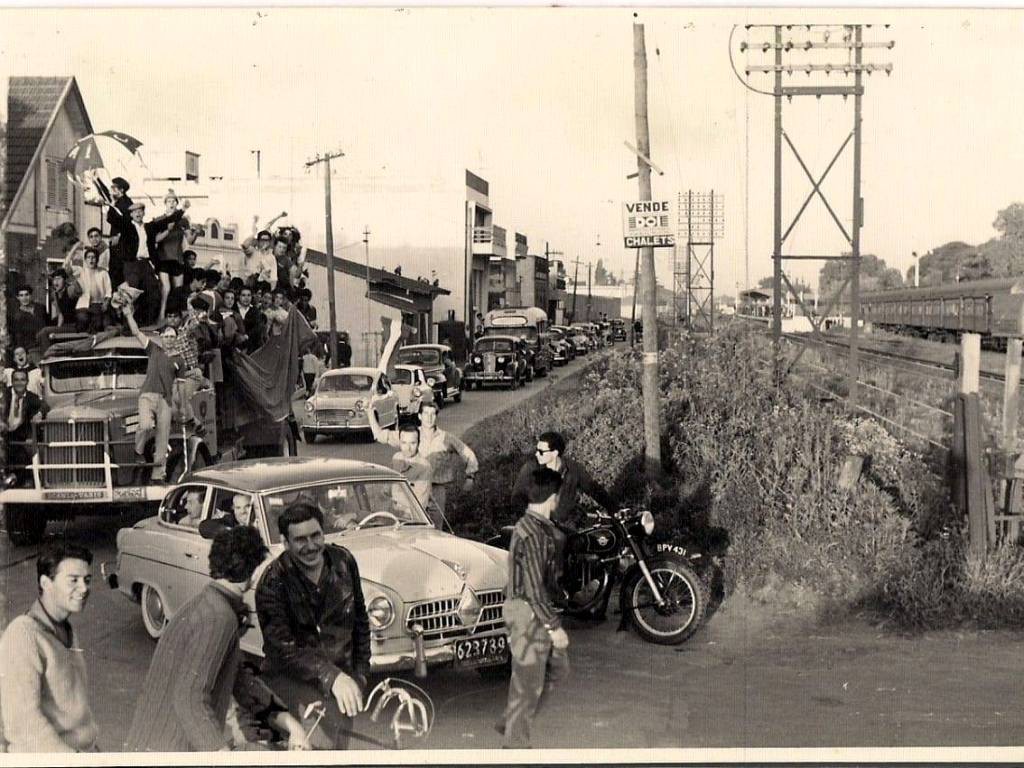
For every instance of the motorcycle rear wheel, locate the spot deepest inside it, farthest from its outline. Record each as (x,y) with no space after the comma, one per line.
(685,596)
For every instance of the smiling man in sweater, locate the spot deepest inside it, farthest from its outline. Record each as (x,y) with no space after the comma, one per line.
(43,687)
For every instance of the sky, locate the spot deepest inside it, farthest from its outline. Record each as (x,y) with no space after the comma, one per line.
(539,101)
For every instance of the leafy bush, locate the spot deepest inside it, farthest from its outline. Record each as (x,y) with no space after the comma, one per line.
(762,462)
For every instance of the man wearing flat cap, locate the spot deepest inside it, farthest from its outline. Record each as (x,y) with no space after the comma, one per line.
(119,219)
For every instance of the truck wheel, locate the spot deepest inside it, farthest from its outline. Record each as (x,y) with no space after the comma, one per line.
(309,436)
(25,524)
(154,614)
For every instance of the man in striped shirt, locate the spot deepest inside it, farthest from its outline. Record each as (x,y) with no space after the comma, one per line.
(538,642)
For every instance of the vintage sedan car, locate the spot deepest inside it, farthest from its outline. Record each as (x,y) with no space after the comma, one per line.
(561,350)
(338,404)
(438,362)
(618,330)
(410,384)
(579,339)
(432,598)
(495,360)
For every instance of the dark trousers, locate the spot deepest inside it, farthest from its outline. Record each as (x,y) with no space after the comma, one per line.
(334,728)
(140,274)
(536,668)
(309,378)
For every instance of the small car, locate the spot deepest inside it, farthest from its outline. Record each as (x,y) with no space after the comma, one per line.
(618,330)
(579,339)
(432,598)
(410,384)
(338,404)
(438,363)
(495,360)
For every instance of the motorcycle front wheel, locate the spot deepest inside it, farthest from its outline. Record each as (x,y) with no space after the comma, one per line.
(684,601)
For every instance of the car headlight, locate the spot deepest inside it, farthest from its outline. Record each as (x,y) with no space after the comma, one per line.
(431,381)
(476,360)
(416,392)
(501,360)
(647,521)
(381,613)
(309,406)
(359,405)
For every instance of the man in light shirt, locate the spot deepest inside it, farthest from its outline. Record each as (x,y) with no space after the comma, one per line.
(96,292)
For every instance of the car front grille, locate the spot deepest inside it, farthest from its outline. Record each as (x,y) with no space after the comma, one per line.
(440,619)
(334,415)
(67,432)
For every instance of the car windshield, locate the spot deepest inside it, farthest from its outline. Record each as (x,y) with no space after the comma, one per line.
(493,345)
(345,382)
(419,356)
(97,374)
(351,504)
(521,332)
(401,376)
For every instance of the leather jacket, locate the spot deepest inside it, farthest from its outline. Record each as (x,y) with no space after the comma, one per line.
(311,632)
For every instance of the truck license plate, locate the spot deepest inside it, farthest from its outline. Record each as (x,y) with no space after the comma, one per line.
(71,495)
(481,651)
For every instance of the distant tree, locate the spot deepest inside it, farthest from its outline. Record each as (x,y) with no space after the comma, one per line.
(601,275)
(952,261)
(875,275)
(765,283)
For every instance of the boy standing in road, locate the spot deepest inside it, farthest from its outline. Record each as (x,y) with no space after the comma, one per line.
(539,644)
(43,687)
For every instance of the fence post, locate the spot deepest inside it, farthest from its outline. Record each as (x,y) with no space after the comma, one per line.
(1007,524)
(970,363)
(976,487)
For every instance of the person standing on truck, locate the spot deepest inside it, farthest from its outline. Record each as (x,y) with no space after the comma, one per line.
(21,409)
(155,397)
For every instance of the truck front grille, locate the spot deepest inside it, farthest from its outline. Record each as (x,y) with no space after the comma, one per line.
(73,432)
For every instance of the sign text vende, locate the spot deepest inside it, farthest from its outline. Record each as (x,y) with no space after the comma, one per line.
(647,224)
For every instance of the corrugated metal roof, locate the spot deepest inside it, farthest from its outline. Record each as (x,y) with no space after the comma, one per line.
(378,277)
(31,104)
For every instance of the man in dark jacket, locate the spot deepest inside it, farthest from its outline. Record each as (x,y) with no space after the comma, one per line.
(575,478)
(20,409)
(119,219)
(197,667)
(316,634)
(254,322)
(25,320)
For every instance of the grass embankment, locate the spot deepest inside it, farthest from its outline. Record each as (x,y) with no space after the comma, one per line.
(764,463)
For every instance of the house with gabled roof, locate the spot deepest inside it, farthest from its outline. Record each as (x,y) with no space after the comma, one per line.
(45,117)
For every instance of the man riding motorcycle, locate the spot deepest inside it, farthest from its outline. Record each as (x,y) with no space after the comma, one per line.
(576,478)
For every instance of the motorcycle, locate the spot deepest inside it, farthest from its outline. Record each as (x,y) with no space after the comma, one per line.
(664,589)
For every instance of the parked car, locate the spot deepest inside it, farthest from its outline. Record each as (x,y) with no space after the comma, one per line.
(338,404)
(410,384)
(579,338)
(438,363)
(618,330)
(432,598)
(561,350)
(495,360)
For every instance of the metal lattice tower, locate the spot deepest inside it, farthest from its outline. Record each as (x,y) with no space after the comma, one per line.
(701,222)
(830,59)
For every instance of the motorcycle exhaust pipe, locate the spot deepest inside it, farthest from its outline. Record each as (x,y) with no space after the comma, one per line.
(421,658)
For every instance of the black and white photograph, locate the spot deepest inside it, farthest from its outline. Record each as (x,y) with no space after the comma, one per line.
(514,385)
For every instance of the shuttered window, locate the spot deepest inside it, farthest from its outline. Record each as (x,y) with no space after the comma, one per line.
(57,192)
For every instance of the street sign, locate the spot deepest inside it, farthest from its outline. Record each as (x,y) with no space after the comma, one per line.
(648,224)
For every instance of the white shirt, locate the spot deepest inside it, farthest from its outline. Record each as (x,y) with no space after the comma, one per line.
(143,250)
(95,287)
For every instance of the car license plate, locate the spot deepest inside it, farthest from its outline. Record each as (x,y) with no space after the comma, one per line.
(481,651)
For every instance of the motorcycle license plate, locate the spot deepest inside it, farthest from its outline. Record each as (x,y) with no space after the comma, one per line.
(481,651)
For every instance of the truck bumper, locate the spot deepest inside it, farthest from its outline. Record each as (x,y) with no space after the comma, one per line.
(127,495)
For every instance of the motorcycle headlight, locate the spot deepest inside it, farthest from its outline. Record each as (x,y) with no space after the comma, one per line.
(647,521)
(381,613)
(309,406)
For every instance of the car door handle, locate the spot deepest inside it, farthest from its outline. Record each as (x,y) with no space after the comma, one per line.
(190,554)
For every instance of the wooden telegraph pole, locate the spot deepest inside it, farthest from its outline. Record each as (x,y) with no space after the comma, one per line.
(326,160)
(652,426)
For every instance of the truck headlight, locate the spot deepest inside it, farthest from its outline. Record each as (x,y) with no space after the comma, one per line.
(647,521)
(381,613)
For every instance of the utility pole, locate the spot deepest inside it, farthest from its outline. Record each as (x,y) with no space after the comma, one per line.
(636,289)
(590,293)
(575,284)
(369,310)
(652,426)
(326,160)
